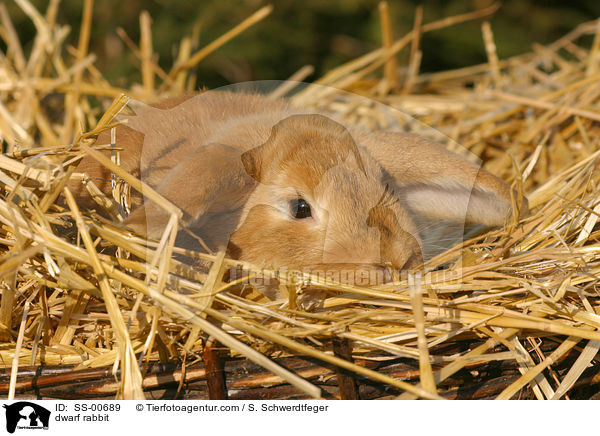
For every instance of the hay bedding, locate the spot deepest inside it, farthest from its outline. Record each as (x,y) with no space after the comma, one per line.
(512,313)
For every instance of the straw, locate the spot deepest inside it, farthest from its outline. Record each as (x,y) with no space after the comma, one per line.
(391,65)
(222,40)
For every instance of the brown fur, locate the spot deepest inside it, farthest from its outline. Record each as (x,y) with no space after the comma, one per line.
(233,162)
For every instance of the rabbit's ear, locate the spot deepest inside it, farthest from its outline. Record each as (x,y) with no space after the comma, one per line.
(307,138)
(211,180)
(437,183)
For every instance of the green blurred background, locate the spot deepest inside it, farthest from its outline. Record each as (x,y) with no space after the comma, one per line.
(316,32)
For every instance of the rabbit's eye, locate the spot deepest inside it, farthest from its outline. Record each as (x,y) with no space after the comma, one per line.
(299,208)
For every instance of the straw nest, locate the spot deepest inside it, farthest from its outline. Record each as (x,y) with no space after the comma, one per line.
(511,313)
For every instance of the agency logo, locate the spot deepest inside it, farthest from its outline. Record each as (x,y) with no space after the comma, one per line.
(26,415)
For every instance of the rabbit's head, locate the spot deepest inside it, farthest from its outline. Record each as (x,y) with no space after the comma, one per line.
(320,203)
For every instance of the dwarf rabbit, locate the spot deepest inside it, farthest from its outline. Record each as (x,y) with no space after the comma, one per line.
(282,187)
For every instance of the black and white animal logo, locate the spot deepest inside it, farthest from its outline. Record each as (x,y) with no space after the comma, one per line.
(24,414)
